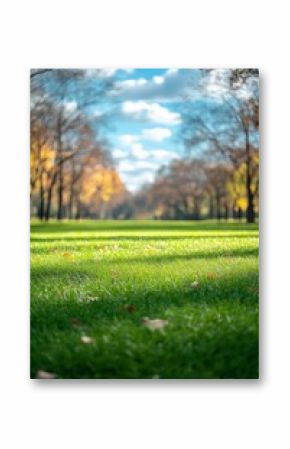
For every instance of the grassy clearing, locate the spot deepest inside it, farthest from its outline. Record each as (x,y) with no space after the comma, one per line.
(98,279)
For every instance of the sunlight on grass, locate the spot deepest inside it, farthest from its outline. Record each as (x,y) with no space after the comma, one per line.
(99,279)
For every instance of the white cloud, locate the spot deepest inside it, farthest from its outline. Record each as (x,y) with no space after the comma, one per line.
(134,182)
(136,166)
(171,72)
(131,83)
(138,151)
(117,153)
(128,139)
(100,73)
(171,85)
(126,166)
(216,83)
(156,134)
(149,134)
(134,107)
(70,106)
(128,70)
(150,111)
(158,79)
(164,155)
(106,72)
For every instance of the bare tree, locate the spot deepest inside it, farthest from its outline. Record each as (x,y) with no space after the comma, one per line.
(229,129)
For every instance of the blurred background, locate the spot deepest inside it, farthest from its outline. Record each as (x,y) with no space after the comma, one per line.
(144,143)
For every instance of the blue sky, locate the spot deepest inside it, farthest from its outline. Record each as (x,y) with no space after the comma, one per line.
(143,120)
(145,127)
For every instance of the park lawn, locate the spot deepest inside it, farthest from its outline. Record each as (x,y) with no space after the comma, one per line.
(98,279)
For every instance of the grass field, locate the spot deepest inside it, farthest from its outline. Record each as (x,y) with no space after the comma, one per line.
(99,279)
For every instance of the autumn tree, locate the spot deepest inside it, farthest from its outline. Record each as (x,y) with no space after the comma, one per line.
(60,100)
(228,129)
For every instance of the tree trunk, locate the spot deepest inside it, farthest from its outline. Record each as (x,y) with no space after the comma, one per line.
(60,193)
(250,197)
(234,211)
(218,206)
(49,196)
(60,168)
(71,204)
(211,207)
(196,209)
(72,191)
(226,211)
(78,211)
(41,199)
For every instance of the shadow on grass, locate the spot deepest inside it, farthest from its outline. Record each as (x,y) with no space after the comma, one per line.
(135,225)
(212,330)
(212,333)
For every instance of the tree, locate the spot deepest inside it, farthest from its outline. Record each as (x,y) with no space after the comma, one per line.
(229,129)
(61,98)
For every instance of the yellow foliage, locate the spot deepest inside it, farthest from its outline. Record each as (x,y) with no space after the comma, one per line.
(242,203)
(101,184)
(237,186)
(42,158)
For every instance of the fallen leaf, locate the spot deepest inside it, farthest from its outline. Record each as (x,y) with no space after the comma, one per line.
(44,375)
(156,324)
(87,299)
(194,284)
(67,254)
(87,340)
(75,321)
(130,308)
(92,298)
(211,275)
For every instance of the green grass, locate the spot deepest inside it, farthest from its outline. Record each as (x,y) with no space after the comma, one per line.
(99,278)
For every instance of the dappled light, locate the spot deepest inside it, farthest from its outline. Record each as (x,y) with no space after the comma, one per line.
(90,298)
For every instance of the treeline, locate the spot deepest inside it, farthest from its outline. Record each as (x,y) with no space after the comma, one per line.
(195,189)
(219,176)
(74,176)
(72,173)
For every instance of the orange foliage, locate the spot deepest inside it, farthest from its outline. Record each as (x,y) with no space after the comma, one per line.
(101,185)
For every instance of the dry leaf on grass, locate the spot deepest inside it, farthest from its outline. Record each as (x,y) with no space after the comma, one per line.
(75,321)
(88,299)
(44,375)
(156,324)
(92,298)
(194,284)
(129,308)
(86,340)
(211,275)
(67,254)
